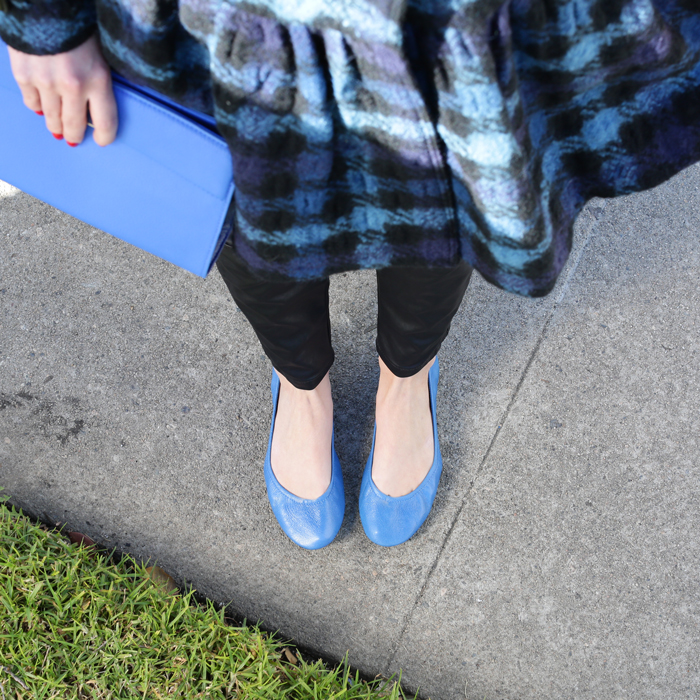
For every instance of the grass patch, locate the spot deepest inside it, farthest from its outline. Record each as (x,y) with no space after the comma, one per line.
(75,623)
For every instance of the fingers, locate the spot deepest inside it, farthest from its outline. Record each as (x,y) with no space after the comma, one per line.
(51,107)
(24,70)
(66,114)
(98,96)
(103,110)
(31,98)
(73,116)
(47,101)
(63,86)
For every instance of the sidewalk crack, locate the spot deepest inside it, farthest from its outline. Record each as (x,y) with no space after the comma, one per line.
(587,233)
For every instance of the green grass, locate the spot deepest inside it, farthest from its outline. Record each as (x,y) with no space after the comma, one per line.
(74,623)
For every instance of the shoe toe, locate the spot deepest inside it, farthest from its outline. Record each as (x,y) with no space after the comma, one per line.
(389,521)
(311,524)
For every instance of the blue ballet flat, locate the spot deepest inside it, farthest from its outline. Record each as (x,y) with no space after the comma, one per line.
(310,523)
(389,520)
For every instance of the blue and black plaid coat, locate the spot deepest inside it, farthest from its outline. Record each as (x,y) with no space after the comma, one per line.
(369,133)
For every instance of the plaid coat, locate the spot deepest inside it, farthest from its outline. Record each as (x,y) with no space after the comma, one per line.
(369,133)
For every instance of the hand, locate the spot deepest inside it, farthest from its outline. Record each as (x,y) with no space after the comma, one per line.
(62,86)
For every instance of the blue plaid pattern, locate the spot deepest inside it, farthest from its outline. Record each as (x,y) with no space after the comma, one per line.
(371,133)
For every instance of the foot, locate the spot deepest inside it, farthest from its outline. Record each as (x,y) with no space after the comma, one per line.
(403,446)
(301,441)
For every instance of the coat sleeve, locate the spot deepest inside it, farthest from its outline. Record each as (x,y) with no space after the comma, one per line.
(46,27)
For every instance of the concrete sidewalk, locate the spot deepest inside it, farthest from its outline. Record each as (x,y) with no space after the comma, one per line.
(561,559)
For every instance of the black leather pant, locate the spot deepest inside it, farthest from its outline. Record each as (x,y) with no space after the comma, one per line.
(291,319)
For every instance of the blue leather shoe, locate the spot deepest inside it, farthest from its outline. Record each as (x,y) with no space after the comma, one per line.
(310,523)
(389,520)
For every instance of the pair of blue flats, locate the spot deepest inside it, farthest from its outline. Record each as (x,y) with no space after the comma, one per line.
(387,520)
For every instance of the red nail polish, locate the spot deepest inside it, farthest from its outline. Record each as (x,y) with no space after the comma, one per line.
(57,136)
(71,144)
(39,112)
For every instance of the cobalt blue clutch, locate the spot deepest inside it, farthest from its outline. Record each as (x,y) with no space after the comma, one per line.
(164,185)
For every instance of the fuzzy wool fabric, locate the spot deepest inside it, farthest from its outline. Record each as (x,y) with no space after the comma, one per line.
(371,133)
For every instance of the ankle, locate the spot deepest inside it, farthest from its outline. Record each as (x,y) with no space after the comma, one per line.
(318,400)
(302,439)
(392,386)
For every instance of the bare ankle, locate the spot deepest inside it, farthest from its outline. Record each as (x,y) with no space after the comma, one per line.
(301,454)
(389,382)
(404,440)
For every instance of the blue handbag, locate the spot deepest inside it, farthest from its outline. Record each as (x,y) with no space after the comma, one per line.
(164,185)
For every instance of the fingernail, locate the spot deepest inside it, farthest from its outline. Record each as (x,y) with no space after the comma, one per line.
(71,144)
(57,136)
(39,112)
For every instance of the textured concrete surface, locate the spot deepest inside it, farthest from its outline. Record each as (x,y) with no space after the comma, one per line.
(561,557)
